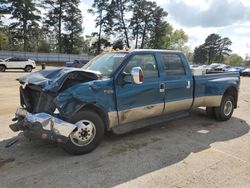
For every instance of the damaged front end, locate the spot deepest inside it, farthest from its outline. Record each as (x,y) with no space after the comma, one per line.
(39,115)
(42,125)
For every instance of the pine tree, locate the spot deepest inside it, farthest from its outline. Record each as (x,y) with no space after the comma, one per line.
(104,18)
(54,20)
(73,25)
(27,15)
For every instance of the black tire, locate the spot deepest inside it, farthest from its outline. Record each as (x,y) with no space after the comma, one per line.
(221,112)
(2,68)
(71,146)
(28,68)
(210,112)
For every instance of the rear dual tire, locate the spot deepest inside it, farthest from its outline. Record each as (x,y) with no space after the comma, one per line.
(224,111)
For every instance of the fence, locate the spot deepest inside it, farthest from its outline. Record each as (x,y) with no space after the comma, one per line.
(44,57)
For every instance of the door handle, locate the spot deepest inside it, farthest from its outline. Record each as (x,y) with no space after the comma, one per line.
(162,87)
(188,84)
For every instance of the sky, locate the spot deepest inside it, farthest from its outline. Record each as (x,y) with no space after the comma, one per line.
(199,18)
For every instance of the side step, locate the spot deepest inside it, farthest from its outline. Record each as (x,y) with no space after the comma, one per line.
(128,127)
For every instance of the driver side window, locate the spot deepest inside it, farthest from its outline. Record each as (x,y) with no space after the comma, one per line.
(146,62)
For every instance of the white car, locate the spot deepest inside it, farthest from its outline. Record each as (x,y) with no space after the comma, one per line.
(17,63)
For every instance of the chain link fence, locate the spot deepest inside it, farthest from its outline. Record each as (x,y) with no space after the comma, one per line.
(49,58)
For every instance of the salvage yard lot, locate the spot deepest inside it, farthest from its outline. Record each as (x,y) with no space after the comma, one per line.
(190,152)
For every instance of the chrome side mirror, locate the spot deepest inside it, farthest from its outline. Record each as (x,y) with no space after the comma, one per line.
(137,75)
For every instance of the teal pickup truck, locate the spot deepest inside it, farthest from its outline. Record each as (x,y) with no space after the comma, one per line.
(118,91)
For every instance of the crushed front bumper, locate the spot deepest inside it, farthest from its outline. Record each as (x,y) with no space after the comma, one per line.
(42,125)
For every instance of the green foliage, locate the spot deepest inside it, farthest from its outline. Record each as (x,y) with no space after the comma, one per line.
(105,42)
(236,60)
(61,29)
(213,50)
(157,27)
(200,55)
(104,20)
(174,39)
(3,10)
(73,25)
(27,17)
(4,41)
(118,44)
(120,24)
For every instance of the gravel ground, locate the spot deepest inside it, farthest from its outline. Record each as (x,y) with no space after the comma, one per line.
(192,152)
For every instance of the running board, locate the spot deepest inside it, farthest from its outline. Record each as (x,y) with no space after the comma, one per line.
(128,127)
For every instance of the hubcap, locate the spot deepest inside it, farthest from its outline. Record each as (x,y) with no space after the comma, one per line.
(84,134)
(228,108)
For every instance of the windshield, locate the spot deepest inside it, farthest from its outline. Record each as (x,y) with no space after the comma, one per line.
(106,64)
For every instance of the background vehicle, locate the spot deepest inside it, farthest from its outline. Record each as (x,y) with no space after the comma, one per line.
(236,69)
(246,72)
(118,91)
(17,63)
(76,63)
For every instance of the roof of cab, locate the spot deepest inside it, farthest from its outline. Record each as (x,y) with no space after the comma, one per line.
(146,50)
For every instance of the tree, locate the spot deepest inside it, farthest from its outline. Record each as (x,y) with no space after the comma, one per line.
(54,19)
(73,25)
(158,27)
(174,39)
(118,44)
(3,10)
(214,49)
(104,20)
(235,60)
(200,55)
(104,44)
(27,15)
(224,49)
(212,46)
(141,20)
(120,8)
(4,41)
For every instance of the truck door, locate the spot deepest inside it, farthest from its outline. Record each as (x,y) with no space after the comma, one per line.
(178,83)
(139,101)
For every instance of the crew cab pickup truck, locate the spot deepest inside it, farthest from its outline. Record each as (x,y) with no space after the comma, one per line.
(17,63)
(119,92)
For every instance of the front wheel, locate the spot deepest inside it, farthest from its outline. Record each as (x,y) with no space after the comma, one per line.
(28,68)
(226,109)
(87,136)
(2,68)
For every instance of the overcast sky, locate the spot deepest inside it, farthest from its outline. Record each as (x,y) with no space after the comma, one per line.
(199,18)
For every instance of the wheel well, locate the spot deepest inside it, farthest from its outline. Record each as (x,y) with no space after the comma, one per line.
(101,112)
(234,93)
(28,66)
(3,65)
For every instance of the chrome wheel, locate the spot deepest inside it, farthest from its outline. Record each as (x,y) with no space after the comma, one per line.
(84,134)
(228,108)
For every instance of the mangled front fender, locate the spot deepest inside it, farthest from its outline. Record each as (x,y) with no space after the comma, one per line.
(74,98)
(99,93)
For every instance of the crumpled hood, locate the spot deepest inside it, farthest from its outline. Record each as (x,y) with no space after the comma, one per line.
(52,80)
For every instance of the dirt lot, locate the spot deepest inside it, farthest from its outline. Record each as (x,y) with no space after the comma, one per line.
(191,152)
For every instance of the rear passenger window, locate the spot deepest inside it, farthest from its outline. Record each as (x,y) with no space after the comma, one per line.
(173,65)
(146,62)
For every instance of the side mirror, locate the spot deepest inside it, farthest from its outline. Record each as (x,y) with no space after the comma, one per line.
(137,75)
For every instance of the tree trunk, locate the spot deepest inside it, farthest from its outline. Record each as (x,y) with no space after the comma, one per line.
(60,27)
(137,33)
(143,36)
(25,35)
(99,35)
(123,23)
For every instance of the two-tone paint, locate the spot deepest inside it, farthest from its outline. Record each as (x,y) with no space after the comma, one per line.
(128,103)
